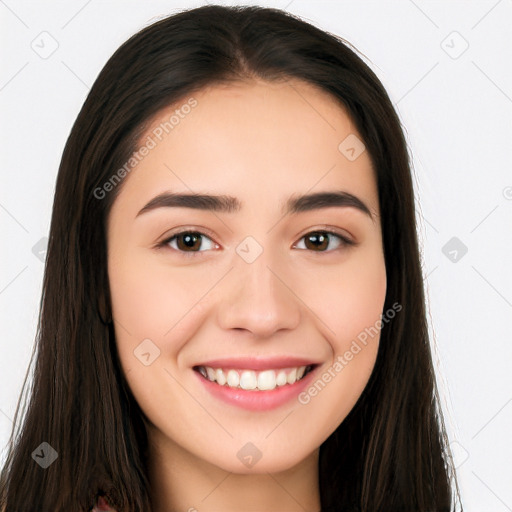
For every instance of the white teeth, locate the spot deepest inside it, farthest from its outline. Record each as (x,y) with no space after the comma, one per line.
(281,378)
(250,379)
(267,380)
(233,379)
(220,377)
(292,376)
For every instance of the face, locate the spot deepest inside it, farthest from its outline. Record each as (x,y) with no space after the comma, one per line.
(257,288)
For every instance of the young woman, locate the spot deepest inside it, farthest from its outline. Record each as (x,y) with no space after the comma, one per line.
(233,314)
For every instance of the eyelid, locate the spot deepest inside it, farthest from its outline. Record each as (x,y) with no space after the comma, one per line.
(342,233)
(187,229)
(345,240)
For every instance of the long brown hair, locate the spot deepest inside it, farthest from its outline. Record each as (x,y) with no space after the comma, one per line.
(390,453)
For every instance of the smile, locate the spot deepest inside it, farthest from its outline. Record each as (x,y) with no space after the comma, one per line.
(254,380)
(256,389)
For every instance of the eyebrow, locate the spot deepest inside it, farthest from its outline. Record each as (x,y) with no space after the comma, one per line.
(229,204)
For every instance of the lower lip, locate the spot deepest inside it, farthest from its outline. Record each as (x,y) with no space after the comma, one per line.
(257,400)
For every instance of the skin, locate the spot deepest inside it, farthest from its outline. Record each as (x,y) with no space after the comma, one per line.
(260,142)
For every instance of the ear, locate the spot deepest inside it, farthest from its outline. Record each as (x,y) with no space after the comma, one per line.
(104,306)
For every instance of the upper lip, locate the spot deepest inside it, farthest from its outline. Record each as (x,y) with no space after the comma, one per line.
(258,363)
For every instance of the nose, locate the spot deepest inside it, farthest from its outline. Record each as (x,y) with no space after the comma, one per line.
(259,299)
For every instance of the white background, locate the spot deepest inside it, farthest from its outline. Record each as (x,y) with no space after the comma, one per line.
(455,103)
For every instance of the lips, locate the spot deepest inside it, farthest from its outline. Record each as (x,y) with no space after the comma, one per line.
(256,384)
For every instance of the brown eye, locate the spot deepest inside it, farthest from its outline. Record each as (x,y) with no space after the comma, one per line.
(318,241)
(188,241)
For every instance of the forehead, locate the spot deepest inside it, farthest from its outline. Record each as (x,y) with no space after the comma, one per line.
(254,140)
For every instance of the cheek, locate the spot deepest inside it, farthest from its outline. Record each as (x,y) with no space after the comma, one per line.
(348,302)
(152,301)
(155,309)
(348,299)
(149,298)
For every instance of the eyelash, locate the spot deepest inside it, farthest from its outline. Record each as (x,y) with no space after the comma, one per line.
(344,241)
